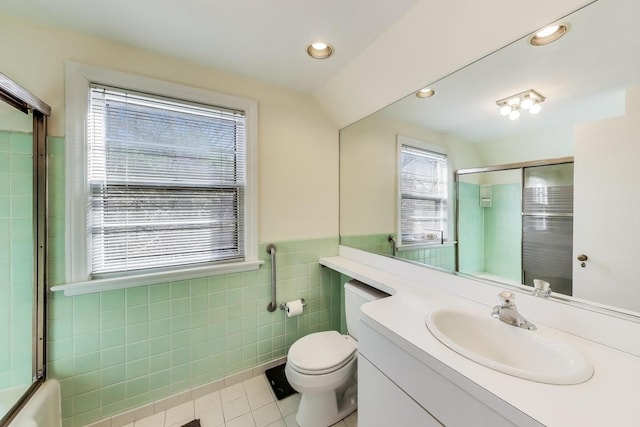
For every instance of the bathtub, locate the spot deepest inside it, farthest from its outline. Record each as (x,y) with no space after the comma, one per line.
(43,409)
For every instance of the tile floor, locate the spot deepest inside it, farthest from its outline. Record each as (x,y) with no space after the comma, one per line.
(247,404)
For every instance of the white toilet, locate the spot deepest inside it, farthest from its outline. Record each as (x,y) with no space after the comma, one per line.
(322,365)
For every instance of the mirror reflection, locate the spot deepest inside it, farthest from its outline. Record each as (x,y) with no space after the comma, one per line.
(586,86)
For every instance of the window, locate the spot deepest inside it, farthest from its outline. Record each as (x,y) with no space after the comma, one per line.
(162,187)
(423,193)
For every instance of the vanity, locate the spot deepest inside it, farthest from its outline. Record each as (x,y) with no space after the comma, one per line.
(406,376)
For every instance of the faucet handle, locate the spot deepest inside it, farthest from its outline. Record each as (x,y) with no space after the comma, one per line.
(507,299)
(542,288)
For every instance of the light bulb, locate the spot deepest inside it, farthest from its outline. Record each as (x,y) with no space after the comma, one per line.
(514,115)
(535,108)
(526,103)
(505,110)
(546,32)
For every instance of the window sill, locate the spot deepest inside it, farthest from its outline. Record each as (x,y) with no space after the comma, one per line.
(409,246)
(101,285)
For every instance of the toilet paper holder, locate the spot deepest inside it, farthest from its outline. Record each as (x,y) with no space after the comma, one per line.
(283,305)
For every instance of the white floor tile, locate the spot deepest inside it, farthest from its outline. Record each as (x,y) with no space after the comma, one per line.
(247,404)
(179,415)
(259,382)
(232,393)
(259,397)
(289,405)
(235,408)
(266,415)
(154,420)
(211,418)
(245,420)
(207,402)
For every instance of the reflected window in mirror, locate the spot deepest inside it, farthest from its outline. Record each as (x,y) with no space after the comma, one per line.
(423,193)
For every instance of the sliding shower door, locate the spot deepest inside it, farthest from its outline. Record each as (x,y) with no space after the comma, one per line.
(22,245)
(547,226)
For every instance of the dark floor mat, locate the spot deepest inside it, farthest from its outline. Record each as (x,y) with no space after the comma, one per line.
(194,423)
(279,383)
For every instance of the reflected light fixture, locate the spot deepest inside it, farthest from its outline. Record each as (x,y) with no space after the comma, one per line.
(319,50)
(426,92)
(528,100)
(548,34)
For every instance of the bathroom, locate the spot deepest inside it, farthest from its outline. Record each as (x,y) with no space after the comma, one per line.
(299,154)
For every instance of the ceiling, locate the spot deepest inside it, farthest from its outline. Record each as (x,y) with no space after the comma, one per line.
(584,76)
(261,39)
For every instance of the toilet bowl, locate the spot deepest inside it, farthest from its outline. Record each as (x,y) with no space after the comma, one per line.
(322,366)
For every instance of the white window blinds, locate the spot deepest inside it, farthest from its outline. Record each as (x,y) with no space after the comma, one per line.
(166,182)
(424,196)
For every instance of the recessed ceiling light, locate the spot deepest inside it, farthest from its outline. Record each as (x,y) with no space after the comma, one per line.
(425,93)
(548,35)
(319,50)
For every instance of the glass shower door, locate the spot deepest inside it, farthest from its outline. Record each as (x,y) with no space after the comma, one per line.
(17,250)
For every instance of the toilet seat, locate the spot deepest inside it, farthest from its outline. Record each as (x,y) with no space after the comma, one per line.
(321,352)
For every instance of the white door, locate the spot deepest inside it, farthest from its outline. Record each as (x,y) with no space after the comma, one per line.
(607,212)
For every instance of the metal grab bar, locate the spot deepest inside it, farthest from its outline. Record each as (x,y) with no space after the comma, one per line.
(394,248)
(271,250)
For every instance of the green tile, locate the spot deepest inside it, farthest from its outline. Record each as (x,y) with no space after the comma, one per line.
(137,368)
(160,362)
(88,343)
(113,338)
(216,283)
(179,356)
(137,332)
(159,379)
(112,300)
(233,281)
(87,401)
(199,287)
(86,363)
(159,327)
(113,356)
(113,375)
(159,310)
(137,296)
(180,340)
(88,304)
(87,382)
(180,306)
(21,142)
(137,314)
(180,289)
(113,394)
(21,185)
(159,292)
(86,323)
(112,319)
(159,345)
(137,386)
(138,350)
(180,323)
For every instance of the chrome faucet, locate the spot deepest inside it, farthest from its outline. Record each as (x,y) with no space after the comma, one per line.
(508,313)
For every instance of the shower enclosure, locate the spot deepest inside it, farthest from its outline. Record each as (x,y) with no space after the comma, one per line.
(22,245)
(515,223)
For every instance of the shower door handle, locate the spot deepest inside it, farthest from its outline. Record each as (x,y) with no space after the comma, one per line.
(582,257)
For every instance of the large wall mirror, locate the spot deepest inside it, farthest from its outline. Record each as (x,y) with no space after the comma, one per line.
(586,135)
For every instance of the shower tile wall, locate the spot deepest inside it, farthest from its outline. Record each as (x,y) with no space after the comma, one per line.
(16,258)
(118,350)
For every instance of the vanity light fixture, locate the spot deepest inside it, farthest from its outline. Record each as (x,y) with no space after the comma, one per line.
(320,50)
(528,100)
(548,34)
(426,92)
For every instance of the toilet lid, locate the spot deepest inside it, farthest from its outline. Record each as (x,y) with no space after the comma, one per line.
(321,352)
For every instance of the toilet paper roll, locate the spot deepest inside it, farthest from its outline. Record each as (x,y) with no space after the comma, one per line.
(294,308)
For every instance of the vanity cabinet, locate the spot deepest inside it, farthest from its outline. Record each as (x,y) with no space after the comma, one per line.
(395,388)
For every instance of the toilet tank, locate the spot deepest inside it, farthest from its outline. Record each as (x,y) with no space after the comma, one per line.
(356,294)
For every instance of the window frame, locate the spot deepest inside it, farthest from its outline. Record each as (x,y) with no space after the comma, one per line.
(401,141)
(78,78)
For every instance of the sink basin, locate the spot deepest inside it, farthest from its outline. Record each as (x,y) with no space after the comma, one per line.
(508,349)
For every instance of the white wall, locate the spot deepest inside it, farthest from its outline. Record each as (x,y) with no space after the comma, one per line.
(368,171)
(298,142)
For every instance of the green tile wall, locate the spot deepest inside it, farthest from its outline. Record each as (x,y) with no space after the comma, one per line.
(470,229)
(443,257)
(503,232)
(16,258)
(117,350)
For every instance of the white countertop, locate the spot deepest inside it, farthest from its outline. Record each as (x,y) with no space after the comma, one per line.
(611,397)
